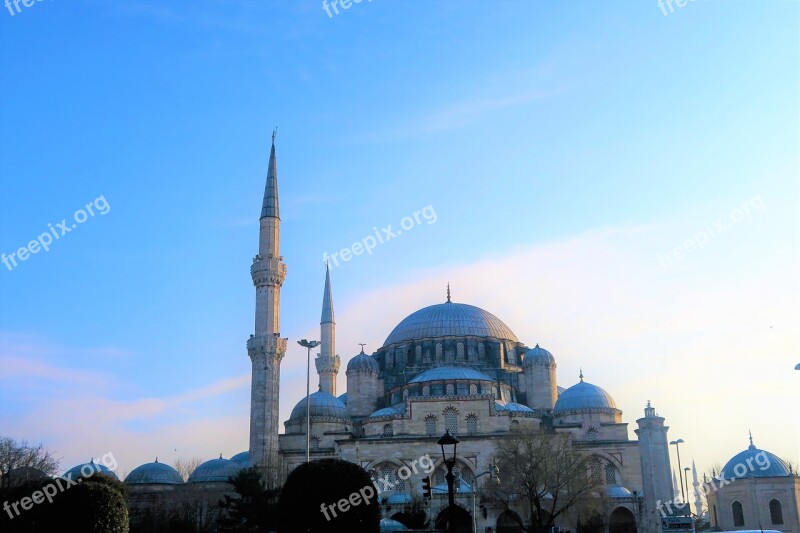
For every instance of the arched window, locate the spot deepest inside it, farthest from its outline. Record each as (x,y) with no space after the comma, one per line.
(418,352)
(594,470)
(591,434)
(738,514)
(438,351)
(426,390)
(450,390)
(514,425)
(387,430)
(460,350)
(450,415)
(472,424)
(313,442)
(611,474)
(430,425)
(775,512)
(473,389)
(387,472)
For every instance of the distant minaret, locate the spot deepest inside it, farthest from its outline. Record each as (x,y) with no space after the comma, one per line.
(654,456)
(327,361)
(698,501)
(266,348)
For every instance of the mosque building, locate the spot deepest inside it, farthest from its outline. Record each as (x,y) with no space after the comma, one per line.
(451,367)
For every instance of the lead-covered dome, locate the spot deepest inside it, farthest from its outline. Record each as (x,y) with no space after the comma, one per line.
(449,319)
(320,404)
(450,373)
(754,462)
(584,395)
(362,362)
(538,355)
(215,470)
(89,469)
(154,473)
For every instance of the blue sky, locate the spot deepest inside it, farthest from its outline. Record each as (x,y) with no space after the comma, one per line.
(566,148)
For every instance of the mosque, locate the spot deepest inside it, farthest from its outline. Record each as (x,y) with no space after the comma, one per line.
(456,367)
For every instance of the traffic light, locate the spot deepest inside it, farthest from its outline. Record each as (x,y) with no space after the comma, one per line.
(426,487)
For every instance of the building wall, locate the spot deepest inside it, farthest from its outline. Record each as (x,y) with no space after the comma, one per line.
(755,494)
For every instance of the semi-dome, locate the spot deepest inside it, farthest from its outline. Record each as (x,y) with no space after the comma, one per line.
(387,524)
(215,470)
(584,395)
(450,373)
(618,491)
(89,469)
(343,398)
(362,361)
(754,462)
(154,473)
(538,355)
(242,458)
(512,407)
(449,319)
(320,404)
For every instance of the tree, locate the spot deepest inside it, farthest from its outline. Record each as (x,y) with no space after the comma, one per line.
(185,467)
(255,509)
(20,454)
(329,495)
(543,472)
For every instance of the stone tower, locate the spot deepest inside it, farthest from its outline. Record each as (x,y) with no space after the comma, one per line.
(654,453)
(266,348)
(541,389)
(327,361)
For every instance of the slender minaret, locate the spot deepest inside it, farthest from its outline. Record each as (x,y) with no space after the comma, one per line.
(698,501)
(327,361)
(266,348)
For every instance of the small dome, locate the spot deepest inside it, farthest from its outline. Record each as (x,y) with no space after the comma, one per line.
(154,473)
(517,408)
(363,362)
(398,498)
(242,458)
(343,398)
(450,373)
(215,470)
(88,470)
(320,404)
(449,320)
(761,464)
(389,411)
(387,524)
(538,355)
(584,395)
(560,390)
(617,491)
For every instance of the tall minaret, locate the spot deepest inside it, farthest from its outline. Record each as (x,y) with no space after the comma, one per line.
(654,458)
(327,361)
(266,348)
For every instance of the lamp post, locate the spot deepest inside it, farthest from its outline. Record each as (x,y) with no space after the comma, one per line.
(449,440)
(686,480)
(677,444)
(493,473)
(308,345)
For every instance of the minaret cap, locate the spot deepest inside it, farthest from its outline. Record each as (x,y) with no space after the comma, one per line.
(269,208)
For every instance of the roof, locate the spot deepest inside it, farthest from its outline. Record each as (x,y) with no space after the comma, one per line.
(449,319)
(88,470)
(242,458)
(154,473)
(754,462)
(538,355)
(215,470)
(321,403)
(269,208)
(450,373)
(512,407)
(584,395)
(363,361)
(389,411)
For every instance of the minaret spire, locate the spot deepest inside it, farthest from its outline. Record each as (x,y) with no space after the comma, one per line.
(327,362)
(265,347)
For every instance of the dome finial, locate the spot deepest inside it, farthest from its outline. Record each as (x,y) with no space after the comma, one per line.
(362,346)
(448,292)
(274,134)
(752,446)
(220,456)
(156,459)
(581,375)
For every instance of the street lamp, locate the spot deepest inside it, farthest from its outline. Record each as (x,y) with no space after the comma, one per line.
(449,440)
(308,344)
(677,449)
(493,473)
(686,479)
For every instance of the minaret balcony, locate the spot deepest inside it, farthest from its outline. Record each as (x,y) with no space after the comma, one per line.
(268,271)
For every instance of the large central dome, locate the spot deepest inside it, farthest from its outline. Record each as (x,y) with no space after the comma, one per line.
(449,319)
